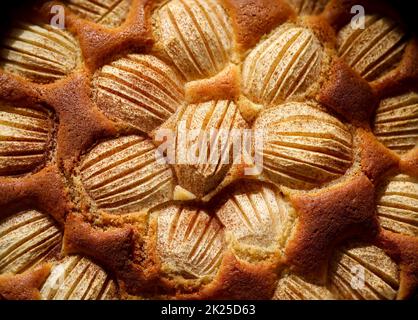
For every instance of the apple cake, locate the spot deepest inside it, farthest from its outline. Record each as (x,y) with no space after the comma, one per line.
(92,207)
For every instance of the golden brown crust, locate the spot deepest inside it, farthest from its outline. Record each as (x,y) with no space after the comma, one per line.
(44,190)
(81,123)
(409,162)
(256,18)
(125,244)
(327,218)
(321,28)
(376,159)
(17,91)
(98,43)
(224,86)
(404,250)
(112,247)
(24,286)
(240,280)
(348,94)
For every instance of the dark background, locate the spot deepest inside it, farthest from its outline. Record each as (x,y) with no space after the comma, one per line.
(408,10)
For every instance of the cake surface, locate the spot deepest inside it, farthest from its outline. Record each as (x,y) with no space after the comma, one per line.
(101,197)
